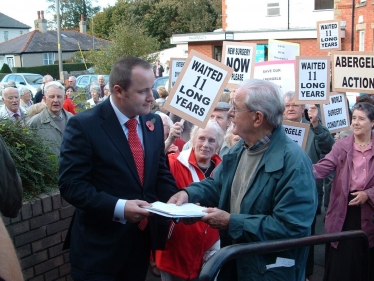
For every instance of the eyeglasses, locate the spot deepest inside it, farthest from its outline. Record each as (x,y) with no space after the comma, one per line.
(234,110)
(70,81)
(293,105)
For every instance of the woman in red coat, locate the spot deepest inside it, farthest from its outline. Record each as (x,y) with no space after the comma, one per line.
(68,103)
(187,244)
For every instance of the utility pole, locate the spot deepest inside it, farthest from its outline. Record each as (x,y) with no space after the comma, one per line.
(60,70)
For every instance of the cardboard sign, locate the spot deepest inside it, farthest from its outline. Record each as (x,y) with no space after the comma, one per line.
(176,65)
(353,72)
(198,88)
(281,73)
(281,50)
(335,115)
(298,132)
(312,79)
(241,58)
(328,35)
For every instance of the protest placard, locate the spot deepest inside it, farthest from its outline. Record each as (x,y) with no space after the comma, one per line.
(353,72)
(312,79)
(198,88)
(176,65)
(282,50)
(241,58)
(298,132)
(281,73)
(328,35)
(335,115)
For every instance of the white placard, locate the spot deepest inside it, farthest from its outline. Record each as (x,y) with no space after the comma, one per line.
(353,72)
(335,115)
(281,73)
(296,131)
(241,58)
(198,88)
(328,35)
(176,65)
(312,79)
(282,50)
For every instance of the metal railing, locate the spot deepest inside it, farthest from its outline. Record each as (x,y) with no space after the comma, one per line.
(213,265)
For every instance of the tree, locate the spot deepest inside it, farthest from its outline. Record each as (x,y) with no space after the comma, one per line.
(70,12)
(5,69)
(125,40)
(161,18)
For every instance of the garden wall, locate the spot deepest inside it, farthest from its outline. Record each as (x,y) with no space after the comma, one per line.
(38,234)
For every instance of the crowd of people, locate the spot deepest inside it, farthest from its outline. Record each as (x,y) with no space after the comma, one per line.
(127,151)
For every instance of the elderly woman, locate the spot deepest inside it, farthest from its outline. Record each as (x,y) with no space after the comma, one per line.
(95,95)
(182,258)
(68,102)
(352,196)
(25,96)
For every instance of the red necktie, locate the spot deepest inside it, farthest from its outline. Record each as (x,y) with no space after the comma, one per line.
(16,115)
(136,148)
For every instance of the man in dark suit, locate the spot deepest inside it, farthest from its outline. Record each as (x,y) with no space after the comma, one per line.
(99,174)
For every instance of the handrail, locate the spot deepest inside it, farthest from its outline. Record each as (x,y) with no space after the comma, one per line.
(213,265)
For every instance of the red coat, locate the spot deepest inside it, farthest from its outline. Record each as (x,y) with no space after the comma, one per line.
(187,244)
(69,105)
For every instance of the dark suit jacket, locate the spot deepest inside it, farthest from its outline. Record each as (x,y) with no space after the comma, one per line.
(97,168)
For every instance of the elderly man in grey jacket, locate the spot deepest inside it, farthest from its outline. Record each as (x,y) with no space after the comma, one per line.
(51,122)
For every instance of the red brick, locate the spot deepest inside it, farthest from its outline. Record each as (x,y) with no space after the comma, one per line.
(36,207)
(51,275)
(26,211)
(58,226)
(28,273)
(56,250)
(24,251)
(46,202)
(46,242)
(18,228)
(30,236)
(34,259)
(49,265)
(44,219)
(66,212)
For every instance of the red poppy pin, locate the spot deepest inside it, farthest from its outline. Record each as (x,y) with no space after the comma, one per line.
(150,124)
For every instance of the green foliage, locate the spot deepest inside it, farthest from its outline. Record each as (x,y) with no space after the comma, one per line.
(125,40)
(70,12)
(36,165)
(5,69)
(51,69)
(160,19)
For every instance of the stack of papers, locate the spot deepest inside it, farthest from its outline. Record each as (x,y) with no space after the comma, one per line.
(186,210)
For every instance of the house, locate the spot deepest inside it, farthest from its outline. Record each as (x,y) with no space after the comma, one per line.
(39,47)
(286,20)
(10,28)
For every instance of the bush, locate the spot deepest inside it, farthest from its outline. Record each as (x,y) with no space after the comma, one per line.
(36,165)
(5,69)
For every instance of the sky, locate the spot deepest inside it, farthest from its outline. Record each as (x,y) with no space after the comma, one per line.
(25,11)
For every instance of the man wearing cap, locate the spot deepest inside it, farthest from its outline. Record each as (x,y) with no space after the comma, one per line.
(221,116)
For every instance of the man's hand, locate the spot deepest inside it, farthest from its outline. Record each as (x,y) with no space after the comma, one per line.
(313,115)
(217,218)
(133,212)
(179,198)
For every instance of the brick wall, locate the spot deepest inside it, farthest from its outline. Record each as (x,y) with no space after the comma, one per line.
(38,234)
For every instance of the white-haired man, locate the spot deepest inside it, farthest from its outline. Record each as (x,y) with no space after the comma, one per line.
(50,123)
(12,109)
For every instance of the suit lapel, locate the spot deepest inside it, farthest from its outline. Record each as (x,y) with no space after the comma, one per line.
(115,133)
(149,145)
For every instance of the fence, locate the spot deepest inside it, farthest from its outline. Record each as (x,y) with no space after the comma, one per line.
(225,254)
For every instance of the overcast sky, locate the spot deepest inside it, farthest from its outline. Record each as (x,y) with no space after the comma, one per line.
(25,11)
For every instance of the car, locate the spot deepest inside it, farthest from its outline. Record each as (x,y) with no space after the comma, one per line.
(86,79)
(31,81)
(160,81)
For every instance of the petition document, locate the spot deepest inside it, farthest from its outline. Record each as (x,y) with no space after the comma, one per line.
(186,210)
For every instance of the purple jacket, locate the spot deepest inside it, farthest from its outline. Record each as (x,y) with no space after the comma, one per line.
(340,160)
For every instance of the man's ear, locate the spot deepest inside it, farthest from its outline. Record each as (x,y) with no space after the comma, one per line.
(258,118)
(117,90)
(44,98)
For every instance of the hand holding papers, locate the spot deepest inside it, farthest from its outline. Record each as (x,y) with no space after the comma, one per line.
(186,210)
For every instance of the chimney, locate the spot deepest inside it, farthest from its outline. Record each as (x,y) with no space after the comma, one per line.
(41,22)
(82,25)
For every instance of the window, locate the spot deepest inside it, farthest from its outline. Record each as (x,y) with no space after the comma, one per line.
(5,35)
(323,4)
(361,40)
(273,9)
(217,53)
(48,58)
(362,1)
(10,61)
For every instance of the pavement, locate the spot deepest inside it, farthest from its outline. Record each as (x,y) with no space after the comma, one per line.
(319,255)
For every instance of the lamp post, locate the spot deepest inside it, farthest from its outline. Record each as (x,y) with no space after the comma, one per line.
(60,70)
